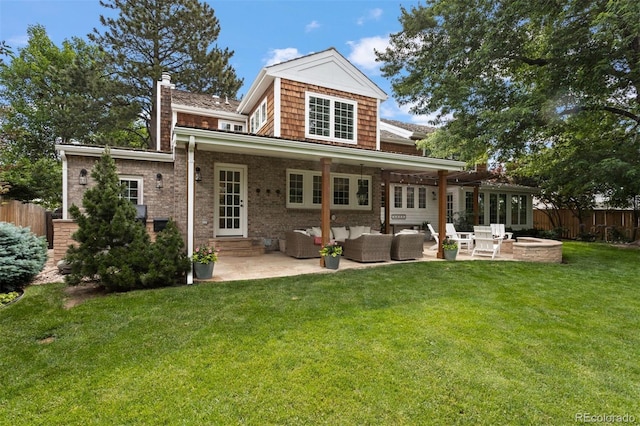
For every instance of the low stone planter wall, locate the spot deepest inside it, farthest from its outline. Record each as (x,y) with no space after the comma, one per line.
(531,249)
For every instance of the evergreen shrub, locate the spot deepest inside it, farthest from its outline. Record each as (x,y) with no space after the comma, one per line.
(113,247)
(22,256)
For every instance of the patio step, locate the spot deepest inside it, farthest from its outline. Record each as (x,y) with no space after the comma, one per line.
(239,247)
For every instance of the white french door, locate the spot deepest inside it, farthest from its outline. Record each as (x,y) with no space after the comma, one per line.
(230,200)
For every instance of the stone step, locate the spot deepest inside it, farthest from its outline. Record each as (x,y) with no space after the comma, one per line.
(238,247)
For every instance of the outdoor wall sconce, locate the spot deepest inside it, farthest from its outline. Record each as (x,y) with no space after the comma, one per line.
(433,195)
(198,175)
(159,183)
(82,179)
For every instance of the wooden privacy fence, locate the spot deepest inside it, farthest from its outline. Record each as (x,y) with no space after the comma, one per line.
(605,225)
(26,215)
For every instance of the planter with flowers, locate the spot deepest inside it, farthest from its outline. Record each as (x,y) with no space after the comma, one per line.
(450,248)
(204,258)
(331,254)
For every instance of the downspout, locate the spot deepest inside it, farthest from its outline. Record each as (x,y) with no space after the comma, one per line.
(65,180)
(190,200)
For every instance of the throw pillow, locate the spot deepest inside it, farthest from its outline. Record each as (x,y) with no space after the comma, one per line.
(340,233)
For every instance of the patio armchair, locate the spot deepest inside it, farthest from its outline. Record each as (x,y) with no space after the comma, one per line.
(462,238)
(301,245)
(486,244)
(405,246)
(499,231)
(369,248)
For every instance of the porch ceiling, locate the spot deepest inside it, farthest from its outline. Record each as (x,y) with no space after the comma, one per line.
(221,141)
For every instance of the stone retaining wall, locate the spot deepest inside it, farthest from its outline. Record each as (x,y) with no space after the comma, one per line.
(531,249)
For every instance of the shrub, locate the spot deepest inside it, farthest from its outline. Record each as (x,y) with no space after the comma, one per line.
(169,261)
(115,249)
(22,256)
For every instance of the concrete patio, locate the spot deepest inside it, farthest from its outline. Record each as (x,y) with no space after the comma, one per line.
(277,264)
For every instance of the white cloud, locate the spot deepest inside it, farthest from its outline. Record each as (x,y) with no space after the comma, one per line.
(313,25)
(282,55)
(18,41)
(363,52)
(372,15)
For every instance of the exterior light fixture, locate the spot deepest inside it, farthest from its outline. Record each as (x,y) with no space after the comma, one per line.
(82,179)
(433,195)
(198,175)
(159,183)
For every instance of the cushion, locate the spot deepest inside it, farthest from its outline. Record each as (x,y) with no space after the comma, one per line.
(407,231)
(356,231)
(301,231)
(316,231)
(340,233)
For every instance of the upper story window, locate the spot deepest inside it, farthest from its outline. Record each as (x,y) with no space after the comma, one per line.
(231,126)
(132,189)
(330,118)
(259,117)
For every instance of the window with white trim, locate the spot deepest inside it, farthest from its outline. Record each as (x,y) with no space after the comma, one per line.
(304,190)
(231,126)
(259,117)
(132,190)
(330,118)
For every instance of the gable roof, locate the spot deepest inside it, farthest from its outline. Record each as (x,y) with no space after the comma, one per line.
(202,101)
(327,69)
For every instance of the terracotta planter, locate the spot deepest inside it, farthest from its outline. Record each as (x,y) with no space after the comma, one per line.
(331,262)
(203,271)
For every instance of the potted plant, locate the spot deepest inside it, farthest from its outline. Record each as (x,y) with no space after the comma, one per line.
(450,248)
(331,254)
(204,258)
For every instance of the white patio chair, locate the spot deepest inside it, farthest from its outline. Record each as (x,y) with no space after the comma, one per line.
(463,238)
(435,235)
(486,244)
(498,231)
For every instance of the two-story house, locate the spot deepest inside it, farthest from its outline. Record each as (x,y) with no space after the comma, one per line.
(305,147)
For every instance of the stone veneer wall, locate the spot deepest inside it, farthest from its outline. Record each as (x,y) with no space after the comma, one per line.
(537,250)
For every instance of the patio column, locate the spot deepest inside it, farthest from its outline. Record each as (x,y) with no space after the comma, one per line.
(442,210)
(325,222)
(386,178)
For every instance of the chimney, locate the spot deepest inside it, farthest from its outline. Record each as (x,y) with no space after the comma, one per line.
(166,79)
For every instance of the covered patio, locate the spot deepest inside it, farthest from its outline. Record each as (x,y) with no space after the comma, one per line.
(277,264)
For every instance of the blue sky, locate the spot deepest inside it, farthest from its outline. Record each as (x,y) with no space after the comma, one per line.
(261,32)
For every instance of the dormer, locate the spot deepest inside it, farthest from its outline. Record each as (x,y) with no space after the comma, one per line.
(320,97)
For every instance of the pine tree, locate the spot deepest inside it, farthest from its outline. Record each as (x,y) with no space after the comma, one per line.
(150,37)
(112,245)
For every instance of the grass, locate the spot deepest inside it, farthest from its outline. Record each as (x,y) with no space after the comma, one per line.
(418,343)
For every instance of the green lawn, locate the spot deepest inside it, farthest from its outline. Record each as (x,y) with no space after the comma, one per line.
(417,343)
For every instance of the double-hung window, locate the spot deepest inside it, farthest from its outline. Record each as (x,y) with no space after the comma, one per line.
(259,117)
(132,189)
(304,190)
(331,118)
(231,126)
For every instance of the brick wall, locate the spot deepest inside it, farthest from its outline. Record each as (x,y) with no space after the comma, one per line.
(158,201)
(165,119)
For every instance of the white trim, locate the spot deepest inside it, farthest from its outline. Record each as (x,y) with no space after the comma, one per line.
(93,151)
(257,116)
(134,178)
(332,118)
(378,147)
(284,148)
(190,201)
(277,104)
(208,112)
(158,115)
(231,124)
(307,190)
(244,231)
(65,183)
